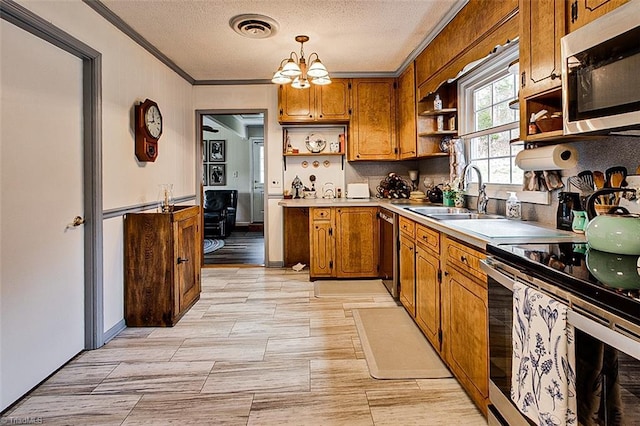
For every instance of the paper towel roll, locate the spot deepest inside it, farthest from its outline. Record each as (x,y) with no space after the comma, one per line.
(554,157)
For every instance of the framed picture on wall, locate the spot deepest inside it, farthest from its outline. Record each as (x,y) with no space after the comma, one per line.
(217,175)
(205,150)
(216,151)
(205,175)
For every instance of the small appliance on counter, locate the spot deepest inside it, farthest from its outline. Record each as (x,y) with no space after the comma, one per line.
(357,190)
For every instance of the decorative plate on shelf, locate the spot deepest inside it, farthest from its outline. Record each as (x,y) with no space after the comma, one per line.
(315,143)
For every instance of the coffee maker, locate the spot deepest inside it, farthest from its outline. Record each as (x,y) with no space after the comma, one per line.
(567,201)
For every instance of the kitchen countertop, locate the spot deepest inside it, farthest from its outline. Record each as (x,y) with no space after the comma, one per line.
(471,231)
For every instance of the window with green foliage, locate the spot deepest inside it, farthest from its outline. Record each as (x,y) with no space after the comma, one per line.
(488,124)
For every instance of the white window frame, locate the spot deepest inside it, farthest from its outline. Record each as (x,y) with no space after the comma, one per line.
(494,67)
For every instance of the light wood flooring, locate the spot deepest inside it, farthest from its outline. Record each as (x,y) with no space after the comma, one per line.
(257,349)
(242,247)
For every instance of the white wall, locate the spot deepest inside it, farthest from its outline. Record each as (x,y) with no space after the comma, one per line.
(264,96)
(129,75)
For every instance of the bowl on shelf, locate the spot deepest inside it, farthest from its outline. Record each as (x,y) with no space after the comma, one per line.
(309,194)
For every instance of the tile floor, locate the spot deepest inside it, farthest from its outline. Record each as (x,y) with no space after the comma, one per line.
(257,349)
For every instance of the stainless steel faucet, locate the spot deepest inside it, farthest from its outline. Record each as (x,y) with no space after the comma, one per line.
(483,199)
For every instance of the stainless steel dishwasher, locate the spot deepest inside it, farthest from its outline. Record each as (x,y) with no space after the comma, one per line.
(389,251)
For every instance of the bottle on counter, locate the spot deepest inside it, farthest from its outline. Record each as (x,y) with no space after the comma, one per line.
(514,208)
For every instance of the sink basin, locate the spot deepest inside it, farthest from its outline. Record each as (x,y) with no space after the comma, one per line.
(460,216)
(431,210)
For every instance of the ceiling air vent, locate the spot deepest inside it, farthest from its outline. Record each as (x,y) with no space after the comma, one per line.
(254,26)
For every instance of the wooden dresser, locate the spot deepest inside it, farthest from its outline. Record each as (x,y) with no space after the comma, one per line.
(162,253)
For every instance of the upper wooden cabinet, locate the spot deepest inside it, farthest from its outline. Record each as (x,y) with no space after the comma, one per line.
(373,120)
(581,12)
(328,103)
(407,113)
(542,26)
(475,30)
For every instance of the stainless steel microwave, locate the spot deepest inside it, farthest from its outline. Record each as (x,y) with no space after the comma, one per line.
(601,74)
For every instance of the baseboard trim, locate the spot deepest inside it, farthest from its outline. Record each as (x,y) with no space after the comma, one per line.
(114,331)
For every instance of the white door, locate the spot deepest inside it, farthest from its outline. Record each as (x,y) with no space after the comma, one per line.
(41,187)
(257,191)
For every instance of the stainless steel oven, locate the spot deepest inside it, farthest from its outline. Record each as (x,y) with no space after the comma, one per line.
(389,251)
(600,61)
(607,334)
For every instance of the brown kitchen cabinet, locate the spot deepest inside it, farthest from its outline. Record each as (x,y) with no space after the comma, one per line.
(581,12)
(407,130)
(542,24)
(343,242)
(427,264)
(465,331)
(373,120)
(162,253)
(296,236)
(322,243)
(317,104)
(407,267)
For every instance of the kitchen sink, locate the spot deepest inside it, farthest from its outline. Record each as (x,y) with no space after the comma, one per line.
(431,210)
(463,215)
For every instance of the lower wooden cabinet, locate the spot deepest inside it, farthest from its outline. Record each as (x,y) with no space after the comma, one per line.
(428,294)
(465,328)
(162,253)
(343,242)
(407,270)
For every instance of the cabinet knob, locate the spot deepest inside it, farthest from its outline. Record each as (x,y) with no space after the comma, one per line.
(181,260)
(463,259)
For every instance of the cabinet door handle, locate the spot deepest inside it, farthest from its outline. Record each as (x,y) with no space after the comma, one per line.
(574,11)
(181,260)
(463,259)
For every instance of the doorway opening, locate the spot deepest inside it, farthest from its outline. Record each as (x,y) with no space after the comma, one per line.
(233,174)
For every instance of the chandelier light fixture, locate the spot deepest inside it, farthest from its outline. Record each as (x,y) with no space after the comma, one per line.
(294,69)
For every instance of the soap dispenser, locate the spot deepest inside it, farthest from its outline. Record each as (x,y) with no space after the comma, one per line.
(514,208)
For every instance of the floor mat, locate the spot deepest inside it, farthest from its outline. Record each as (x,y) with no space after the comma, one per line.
(350,288)
(210,245)
(394,347)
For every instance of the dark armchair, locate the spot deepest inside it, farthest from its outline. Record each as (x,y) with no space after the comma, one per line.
(220,212)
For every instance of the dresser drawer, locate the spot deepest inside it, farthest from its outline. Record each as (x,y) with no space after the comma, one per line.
(320,213)
(466,259)
(428,238)
(407,227)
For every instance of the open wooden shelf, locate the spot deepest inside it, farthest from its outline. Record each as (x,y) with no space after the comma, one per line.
(443,111)
(307,154)
(438,133)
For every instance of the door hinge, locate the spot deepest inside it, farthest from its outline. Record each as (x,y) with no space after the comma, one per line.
(574,11)
(349,111)
(440,335)
(440,275)
(331,232)
(349,85)
(331,264)
(395,85)
(523,78)
(395,150)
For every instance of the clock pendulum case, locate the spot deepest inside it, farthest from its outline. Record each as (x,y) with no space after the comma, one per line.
(148,122)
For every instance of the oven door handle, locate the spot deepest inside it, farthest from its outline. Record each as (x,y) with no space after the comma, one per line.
(613,338)
(487,265)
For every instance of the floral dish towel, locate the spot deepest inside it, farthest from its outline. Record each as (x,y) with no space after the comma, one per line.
(543,383)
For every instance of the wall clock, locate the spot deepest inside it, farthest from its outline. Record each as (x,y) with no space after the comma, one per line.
(148,122)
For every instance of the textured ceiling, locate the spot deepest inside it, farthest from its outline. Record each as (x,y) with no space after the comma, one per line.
(350,36)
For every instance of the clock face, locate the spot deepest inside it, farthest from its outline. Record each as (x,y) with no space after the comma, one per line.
(153,121)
